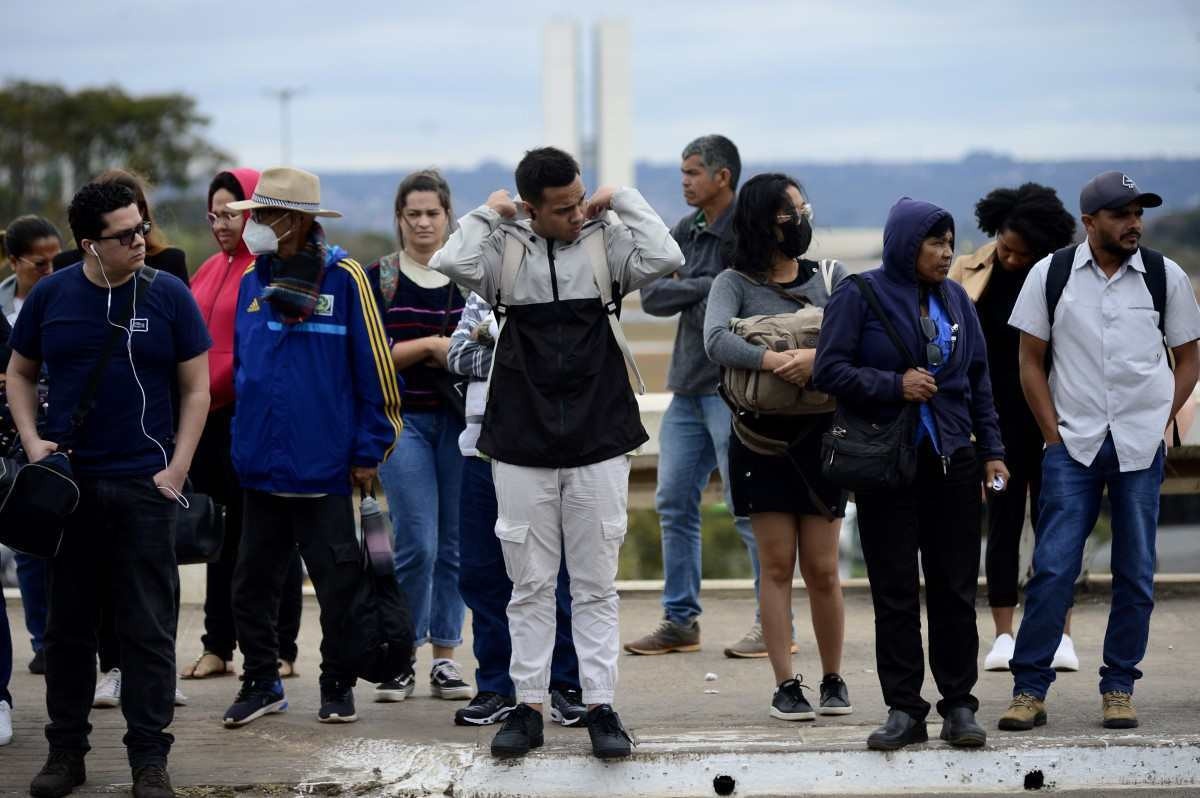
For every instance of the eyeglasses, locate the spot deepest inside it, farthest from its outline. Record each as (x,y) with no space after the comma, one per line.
(933,352)
(225,217)
(803,212)
(37,264)
(125,237)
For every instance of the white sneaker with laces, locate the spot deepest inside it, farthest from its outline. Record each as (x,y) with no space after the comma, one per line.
(5,723)
(180,699)
(108,692)
(1065,658)
(1002,651)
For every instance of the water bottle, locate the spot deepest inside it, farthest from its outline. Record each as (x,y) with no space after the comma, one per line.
(377,536)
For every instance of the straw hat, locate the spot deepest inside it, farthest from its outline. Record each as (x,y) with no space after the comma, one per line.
(287,188)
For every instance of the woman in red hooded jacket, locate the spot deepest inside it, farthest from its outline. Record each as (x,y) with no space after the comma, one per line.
(215,287)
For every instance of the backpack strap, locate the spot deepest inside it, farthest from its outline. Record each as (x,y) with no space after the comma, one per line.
(1156,283)
(1056,280)
(598,254)
(510,264)
(868,293)
(826,267)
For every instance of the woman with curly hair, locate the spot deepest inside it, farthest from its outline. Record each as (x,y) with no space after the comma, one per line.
(1026,224)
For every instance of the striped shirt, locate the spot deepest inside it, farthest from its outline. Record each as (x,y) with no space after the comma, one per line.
(418,312)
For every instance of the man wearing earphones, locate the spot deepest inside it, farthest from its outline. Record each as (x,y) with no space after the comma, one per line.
(123,342)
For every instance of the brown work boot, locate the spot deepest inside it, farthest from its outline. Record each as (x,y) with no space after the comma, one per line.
(668,637)
(1118,710)
(1024,713)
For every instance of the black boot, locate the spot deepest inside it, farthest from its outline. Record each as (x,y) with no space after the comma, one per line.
(960,729)
(61,774)
(522,730)
(152,781)
(900,730)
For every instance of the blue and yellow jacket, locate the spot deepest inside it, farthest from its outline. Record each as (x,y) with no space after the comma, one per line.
(314,398)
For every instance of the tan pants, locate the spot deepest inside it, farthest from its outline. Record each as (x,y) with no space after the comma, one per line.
(544,512)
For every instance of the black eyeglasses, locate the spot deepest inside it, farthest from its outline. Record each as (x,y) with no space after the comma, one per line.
(125,237)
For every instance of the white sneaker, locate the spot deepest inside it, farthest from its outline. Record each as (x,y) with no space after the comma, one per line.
(5,723)
(108,692)
(1065,658)
(180,699)
(1002,651)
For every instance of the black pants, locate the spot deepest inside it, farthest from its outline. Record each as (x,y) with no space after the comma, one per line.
(122,534)
(1006,511)
(273,527)
(212,473)
(937,517)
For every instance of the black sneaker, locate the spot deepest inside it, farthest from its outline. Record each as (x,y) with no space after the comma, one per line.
(152,781)
(567,707)
(61,774)
(835,696)
(522,730)
(789,702)
(337,705)
(485,709)
(445,681)
(255,699)
(397,689)
(37,665)
(609,738)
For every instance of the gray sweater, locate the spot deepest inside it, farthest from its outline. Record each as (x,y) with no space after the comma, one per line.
(732,296)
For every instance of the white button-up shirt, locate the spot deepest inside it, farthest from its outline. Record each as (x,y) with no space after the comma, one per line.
(1110,370)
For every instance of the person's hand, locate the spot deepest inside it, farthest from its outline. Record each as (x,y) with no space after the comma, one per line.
(363,478)
(169,482)
(39,449)
(993,469)
(600,202)
(799,367)
(502,203)
(773,360)
(918,386)
(438,349)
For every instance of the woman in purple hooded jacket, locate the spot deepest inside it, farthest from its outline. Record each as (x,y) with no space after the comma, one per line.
(938,516)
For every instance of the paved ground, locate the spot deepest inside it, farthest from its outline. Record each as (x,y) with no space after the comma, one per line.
(688,736)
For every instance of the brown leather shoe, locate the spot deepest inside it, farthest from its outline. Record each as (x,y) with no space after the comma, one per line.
(1024,712)
(1118,710)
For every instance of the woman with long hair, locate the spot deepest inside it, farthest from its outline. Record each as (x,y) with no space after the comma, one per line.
(794,512)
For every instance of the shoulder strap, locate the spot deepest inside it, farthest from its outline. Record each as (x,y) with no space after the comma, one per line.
(87,399)
(826,267)
(1056,279)
(1156,282)
(775,287)
(868,293)
(598,254)
(514,253)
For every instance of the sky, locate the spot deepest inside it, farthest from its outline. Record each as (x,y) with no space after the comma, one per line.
(389,84)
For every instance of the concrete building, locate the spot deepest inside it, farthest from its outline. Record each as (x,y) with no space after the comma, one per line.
(560,86)
(612,87)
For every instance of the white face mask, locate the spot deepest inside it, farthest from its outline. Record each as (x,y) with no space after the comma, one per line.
(260,238)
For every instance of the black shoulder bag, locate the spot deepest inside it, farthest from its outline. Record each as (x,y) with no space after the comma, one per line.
(861,455)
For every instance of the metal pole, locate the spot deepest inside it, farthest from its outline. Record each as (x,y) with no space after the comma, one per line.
(284,95)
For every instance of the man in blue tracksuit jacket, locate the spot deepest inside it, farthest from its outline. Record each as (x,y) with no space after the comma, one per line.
(318,408)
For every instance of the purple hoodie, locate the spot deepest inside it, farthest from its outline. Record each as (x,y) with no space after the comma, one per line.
(858,363)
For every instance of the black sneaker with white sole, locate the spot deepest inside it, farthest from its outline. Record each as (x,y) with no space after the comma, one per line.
(255,699)
(485,709)
(521,732)
(337,705)
(445,681)
(789,702)
(567,708)
(835,696)
(396,690)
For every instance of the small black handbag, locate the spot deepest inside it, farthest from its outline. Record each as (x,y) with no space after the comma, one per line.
(861,455)
(199,530)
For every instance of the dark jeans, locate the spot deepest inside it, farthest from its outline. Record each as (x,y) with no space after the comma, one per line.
(486,589)
(938,518)
(31,576)
(6,652)
(1006,513)
(324,530)
(212,473)
(1070,506)
(122,533)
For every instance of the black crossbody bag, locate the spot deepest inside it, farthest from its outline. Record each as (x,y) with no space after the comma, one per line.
(861,455)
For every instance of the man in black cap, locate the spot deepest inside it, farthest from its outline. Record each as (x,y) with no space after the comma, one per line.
(1097,322)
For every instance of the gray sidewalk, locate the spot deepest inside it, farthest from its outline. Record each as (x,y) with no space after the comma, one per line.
(688,737)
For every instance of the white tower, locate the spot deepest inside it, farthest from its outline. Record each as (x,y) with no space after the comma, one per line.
(613,99)
(560,86)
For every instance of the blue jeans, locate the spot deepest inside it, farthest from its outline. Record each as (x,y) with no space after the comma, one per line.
(423,479)
(487,589)
(693,440)
(31,575)
(1070,504)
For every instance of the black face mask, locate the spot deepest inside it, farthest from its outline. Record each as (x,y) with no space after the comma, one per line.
(796,238)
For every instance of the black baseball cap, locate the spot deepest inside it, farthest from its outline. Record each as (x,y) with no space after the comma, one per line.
(1114,190)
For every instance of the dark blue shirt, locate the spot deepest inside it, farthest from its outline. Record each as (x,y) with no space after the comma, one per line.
(64,324)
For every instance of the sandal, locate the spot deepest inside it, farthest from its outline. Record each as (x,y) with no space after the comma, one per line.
(287,670)
(206,665)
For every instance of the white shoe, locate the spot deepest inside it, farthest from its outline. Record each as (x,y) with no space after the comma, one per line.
(5,723)
(1065,658)
(1002,651)
(108,692)
(180,699)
